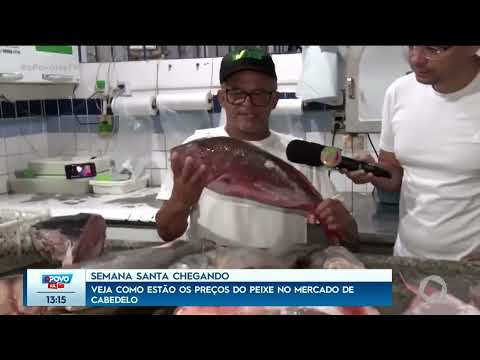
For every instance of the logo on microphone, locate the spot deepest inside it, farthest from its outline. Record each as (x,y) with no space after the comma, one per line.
(331,156)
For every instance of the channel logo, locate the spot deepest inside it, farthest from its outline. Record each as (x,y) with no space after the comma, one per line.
(57,281)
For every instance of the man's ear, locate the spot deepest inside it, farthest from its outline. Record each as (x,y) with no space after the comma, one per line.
(473,50)
(221,97)
(276,97)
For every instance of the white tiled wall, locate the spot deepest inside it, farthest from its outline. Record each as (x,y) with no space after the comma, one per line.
(101,146)
(3,184)
(13,145)
(3,151)
(83,143)
(3,165)
(156,177)
(158,142)
(159,159)
(36,144)
(17,151)
(60,144)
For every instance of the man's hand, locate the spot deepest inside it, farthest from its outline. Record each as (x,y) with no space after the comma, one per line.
(360,176)
(388,162)
(188,182)
(335,218)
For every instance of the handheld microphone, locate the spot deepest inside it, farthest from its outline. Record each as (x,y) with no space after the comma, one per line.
(309,153)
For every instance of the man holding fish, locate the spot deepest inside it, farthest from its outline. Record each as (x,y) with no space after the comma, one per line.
(259,200)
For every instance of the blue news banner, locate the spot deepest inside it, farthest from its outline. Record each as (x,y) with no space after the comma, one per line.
(215,287)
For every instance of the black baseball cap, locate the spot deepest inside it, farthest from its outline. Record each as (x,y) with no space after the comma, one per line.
(247,59)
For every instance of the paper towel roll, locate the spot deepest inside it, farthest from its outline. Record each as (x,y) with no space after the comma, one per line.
(319,78)
(135,105)
(184,101)
(288,107)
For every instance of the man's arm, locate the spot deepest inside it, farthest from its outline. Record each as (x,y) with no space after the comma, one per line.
(188,184)
(172,220)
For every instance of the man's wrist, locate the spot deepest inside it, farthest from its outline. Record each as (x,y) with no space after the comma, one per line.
(178,206)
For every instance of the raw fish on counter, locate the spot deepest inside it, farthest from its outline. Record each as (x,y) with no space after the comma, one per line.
(70,239)
(58,240)
(158,257)
(274,310)
(181,254)
(61,240)
(11,298)
(447,305)
(298,256)
(475,295)
(239,169)
(11,288)
(334,257)
(295,256)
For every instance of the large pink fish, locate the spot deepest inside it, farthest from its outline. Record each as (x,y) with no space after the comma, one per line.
(240,169)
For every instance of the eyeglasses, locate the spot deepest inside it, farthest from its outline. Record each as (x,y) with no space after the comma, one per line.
(257,98)
(430,52)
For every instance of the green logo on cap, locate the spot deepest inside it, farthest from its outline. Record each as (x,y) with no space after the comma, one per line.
(249,53)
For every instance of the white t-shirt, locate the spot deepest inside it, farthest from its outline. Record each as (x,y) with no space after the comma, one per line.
(231,220)
(436,139)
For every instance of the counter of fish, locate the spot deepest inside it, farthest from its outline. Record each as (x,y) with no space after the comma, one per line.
(77,242)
